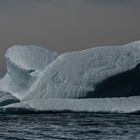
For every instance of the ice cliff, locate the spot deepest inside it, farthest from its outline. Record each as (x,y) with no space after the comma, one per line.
(100,79)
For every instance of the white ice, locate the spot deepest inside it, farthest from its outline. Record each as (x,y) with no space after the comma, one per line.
(100,105)
(101,79)
(6,98)
(24,65)
(97,72)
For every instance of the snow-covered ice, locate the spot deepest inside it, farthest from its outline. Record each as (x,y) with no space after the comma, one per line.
(101,79)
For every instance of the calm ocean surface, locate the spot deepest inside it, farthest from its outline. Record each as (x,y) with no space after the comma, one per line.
(72,126)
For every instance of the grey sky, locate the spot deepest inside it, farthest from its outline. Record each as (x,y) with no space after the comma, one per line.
(66,25)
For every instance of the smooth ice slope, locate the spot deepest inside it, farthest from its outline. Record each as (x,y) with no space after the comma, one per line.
(24,65)
(112,71)
(108,105)
(6,98)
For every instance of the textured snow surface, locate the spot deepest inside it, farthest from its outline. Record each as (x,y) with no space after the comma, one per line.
(24,65)
(6,98)
(102,79)
(110,105)
(30,57)
(96,72)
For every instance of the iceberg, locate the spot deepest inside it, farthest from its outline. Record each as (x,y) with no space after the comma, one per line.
(24,65)
(100,79)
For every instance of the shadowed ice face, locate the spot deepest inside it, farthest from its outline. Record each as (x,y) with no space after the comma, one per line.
(67,25)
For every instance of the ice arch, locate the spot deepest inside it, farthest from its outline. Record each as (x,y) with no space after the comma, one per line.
(24,65)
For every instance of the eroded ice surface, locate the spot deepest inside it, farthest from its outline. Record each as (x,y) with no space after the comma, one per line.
(96,72)
(24,65)
(109,105)
(102,79)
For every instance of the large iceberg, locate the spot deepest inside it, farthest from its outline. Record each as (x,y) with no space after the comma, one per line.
(101,79)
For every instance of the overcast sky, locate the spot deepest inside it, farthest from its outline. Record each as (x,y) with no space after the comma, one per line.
(67,25)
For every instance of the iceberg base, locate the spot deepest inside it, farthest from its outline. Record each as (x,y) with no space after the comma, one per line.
(100,105)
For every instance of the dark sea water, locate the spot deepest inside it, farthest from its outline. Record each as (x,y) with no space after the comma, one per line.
(71,126)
